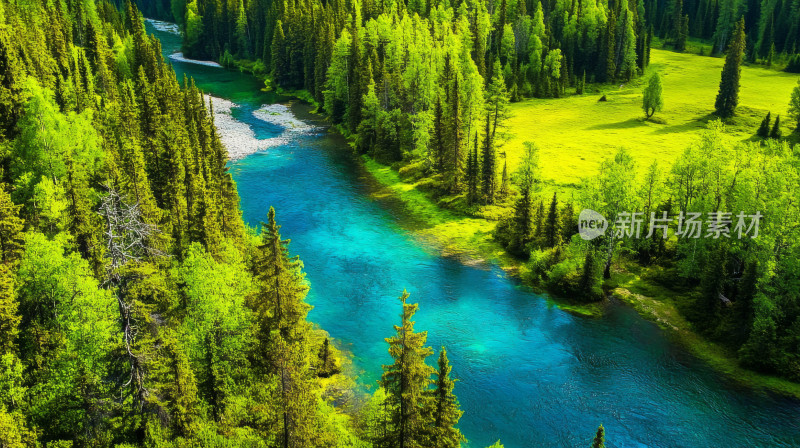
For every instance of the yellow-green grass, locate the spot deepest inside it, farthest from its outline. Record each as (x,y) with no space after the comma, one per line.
(451,233)
(576,133)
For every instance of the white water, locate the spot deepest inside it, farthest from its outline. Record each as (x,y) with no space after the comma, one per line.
(166,27)
(239,137)
(180,58)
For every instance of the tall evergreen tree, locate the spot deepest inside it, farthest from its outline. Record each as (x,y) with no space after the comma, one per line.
(446,411)
(776,129)
(764,128)
(407,382)
(728,96)
(599,438)
(552,225)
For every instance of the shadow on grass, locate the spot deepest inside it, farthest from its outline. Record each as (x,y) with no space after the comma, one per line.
(695,124)
(627,124)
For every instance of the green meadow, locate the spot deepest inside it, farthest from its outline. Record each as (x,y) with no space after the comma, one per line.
(574,134)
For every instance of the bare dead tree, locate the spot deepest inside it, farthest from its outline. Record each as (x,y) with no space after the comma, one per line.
(128,239)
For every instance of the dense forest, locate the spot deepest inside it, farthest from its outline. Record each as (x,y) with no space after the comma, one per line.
(136,307)
(426,86)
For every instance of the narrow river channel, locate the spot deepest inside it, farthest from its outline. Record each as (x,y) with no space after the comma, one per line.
(529,374)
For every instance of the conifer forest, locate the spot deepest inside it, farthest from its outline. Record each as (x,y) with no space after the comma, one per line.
(399,223)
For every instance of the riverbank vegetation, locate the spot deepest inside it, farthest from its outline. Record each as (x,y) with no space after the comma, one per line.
(136,307)
(442,92)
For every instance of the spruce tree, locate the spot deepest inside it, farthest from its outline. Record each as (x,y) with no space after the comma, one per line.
(599,438)
(456,136)
(280,63)
(446,411)
(776,129)
(504,187)
(488,168)
(473,174)
(280,301)
(763,130)
(587,282)
(552,225)
(610,49)
(407,382)
(522,219)
(728,96)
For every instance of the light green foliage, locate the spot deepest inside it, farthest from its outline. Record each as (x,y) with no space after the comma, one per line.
(653,100)
(216,328)
(52,143)
(338,82)
(794,106)
(194,24)
(69,333)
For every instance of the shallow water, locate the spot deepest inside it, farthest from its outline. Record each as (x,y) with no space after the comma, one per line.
(530,374)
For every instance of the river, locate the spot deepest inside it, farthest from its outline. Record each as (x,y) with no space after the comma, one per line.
(529,374)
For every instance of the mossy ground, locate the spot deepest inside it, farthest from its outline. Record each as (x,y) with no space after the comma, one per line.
(574,135)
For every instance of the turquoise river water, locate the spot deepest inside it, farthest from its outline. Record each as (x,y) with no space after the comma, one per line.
(530,374)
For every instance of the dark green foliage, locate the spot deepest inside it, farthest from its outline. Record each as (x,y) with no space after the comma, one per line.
(599,440)
(776,129)
(407,383)
(446,411)
(588,285)
(764,128)
(728,96)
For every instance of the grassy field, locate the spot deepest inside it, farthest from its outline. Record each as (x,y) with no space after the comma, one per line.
(576,133)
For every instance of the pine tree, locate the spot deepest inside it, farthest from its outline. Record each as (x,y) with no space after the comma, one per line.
(280,63)
(588,280)
(763,130)
(280,301)
(504,186)
(406,382)
(496,113)
(327,363)
(680,43)
(488,168)
(10,227)
(473,173)
(456,138)
(446,409)
(552,225)
(599,438)
(728,96)
(677,25)
(522,220)
(776,129)
(438,135)
(610,48)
